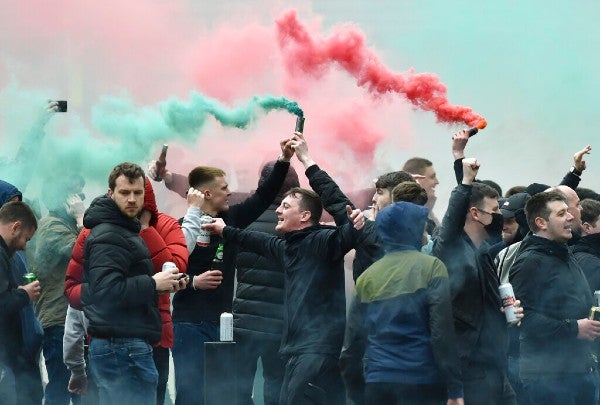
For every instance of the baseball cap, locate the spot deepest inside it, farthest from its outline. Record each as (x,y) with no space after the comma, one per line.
(511,205)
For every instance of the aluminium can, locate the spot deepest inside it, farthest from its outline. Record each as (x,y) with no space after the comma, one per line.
(226,327)
(508,299)
(203,238)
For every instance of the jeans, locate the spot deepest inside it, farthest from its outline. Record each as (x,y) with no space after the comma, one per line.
(249,349)
(124,370)
(56,392)
(8,393)
(188,359)
(563,389)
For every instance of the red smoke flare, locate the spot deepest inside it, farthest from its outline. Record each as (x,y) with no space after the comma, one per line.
(313,55)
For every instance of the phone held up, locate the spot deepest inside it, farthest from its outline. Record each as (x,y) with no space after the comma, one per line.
(61,106)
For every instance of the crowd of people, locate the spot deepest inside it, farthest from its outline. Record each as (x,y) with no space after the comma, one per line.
(426,323)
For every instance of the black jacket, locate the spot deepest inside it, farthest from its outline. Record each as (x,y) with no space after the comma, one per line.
(587,253)
(197,306)
(314,302)
(480,326)
(554,294)
(118,294)
(258,304)
(369,248)
(12,300)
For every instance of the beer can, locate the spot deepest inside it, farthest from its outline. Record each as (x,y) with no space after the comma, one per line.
(203,238)
(508,299)
(168,266)
(595,314)
(226,327)
(597,297)
(29,278)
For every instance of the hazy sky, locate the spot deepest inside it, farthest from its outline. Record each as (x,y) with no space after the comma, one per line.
(529,67)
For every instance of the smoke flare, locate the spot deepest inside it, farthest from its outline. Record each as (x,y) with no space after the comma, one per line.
(346,47)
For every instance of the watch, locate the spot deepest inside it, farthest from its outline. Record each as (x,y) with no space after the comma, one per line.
(575,171)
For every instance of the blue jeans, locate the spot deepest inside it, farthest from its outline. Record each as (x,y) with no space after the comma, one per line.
(188,359)
(124,370)
(56,392)
(563,389)
(8,393)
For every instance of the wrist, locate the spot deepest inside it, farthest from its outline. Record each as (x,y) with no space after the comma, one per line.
(575,171)
(194,283)
(283,158)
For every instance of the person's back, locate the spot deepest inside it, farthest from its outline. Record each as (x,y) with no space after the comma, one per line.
(411,352)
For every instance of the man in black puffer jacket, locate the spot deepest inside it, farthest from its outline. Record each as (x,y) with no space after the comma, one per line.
(258,306)
(556,363)
(119,293)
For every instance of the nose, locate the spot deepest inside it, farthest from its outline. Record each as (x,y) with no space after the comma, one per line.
(570,216)
(374,198)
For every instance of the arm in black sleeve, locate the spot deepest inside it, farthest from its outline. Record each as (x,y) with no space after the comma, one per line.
(264,244)
(454,219)
(243,214)
(458,170)
(571,180)
(334,200)
(443,337)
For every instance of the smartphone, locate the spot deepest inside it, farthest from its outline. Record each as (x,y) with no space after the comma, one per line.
(62,105)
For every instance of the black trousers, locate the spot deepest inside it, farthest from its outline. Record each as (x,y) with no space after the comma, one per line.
(405,394)
(161,360)
(312,379)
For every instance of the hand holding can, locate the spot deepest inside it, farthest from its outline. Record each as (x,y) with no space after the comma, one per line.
(508,301)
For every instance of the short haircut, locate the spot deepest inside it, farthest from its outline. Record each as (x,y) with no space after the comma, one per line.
(308,200)
(492,184)
(417,165)
(129,170)
(537,207)
(515,190)
(18,211)
(590,211)
(202,175)
(479,192)
(584,193)
(411,192)
(392,179)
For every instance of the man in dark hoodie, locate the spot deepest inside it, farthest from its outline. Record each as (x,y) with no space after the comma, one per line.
(411,347)
(258,306)
(587,249)
(556,364)
(120,292)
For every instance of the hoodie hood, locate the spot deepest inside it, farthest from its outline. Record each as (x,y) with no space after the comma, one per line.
(400,226)
(150,202)
(104,210)
(7,192)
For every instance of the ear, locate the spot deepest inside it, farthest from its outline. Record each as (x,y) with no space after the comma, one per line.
(474,214)
(586,227)
(541,223)
(110,193)
(305,216)
(16,227)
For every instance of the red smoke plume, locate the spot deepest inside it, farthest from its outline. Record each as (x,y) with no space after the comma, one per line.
(347,47)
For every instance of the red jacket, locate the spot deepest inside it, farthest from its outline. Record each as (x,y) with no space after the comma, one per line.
(166,243)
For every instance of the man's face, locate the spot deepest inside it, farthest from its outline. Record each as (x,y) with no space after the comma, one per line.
(128,195)
(559,224)
(509,229)
(289,215)
(488,206)
(575,208)
(381,199)
(218,193)
(19,238)
(429,182)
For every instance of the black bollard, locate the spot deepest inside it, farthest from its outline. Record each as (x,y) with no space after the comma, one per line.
(220,373)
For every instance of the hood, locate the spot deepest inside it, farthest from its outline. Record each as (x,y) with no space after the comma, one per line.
(104,210)
(544,246)
(8,191)
(588,244)
(150,202)
(400,226)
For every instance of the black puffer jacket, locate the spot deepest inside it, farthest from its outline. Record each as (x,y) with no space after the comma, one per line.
(119,294)
(258,304)
(554,294)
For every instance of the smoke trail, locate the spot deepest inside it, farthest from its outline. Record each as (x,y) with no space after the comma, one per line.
(347,47)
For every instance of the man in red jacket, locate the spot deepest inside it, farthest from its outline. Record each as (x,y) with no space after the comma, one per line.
(165,240)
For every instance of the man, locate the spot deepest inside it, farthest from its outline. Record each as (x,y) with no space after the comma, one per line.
(120,292)
(424,173)
(17,226)
(54,243)
(411,354)
(470,226)
(556,364)
(574,208)
(196,310)
(368,250)
(314,307)
(587,249)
